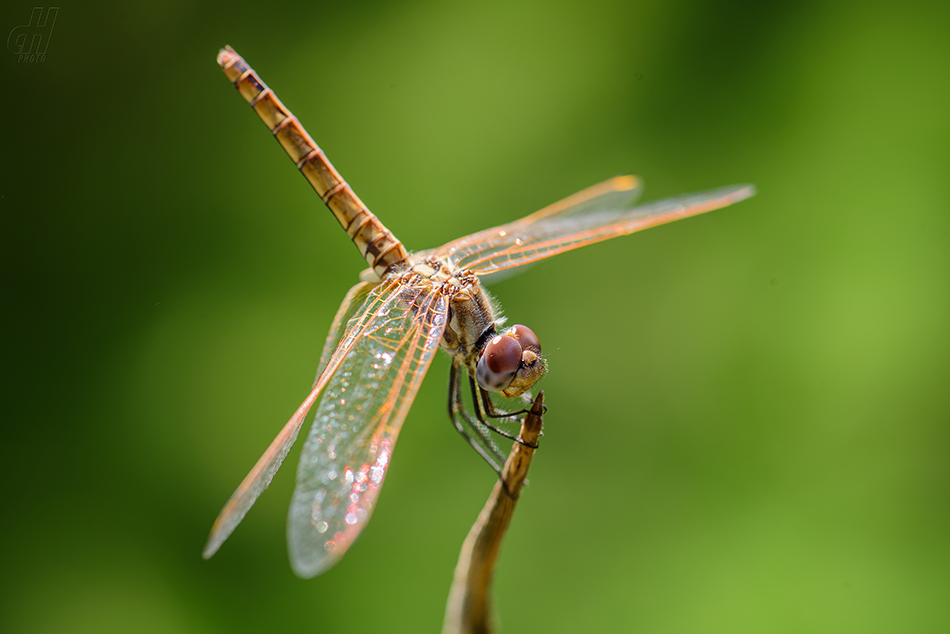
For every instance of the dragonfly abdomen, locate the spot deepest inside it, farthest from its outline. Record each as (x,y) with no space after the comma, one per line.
(378,246)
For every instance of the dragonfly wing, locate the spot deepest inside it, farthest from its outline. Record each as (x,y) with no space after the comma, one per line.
(351,304)
(351,314)
(347,452)
(592,215)
(621,191)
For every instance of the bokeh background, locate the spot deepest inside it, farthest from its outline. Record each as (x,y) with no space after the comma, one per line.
(748,411)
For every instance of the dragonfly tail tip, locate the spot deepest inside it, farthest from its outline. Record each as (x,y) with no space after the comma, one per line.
(225,56)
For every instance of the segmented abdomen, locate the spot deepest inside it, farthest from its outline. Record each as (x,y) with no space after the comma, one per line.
(378,246)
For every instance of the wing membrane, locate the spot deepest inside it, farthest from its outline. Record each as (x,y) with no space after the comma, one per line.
(592,215)
(354,313)
(347,452)
(351,303)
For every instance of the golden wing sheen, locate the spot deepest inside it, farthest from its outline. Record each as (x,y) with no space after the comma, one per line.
(347,452)
(410,322)
(592,215)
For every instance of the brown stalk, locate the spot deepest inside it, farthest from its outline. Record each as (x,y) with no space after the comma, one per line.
(468,610)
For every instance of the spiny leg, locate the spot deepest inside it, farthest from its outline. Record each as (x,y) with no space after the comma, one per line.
(493,412)
(462,420)
(484,405)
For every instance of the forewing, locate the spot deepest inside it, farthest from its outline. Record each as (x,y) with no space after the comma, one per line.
(348,309)
(618,192)
(348,449)
(593,215)
(354,313)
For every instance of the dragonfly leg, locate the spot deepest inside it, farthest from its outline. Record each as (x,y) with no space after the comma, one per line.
(485,409)
(469,427)
(492,411)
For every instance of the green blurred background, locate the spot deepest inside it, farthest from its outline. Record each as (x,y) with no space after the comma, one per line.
(748,411)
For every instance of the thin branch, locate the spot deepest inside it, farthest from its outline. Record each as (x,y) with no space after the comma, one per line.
(468,609)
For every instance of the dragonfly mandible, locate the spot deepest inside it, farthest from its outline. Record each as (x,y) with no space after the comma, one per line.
(390,325)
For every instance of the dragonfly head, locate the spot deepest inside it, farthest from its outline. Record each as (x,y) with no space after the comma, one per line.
(511,363)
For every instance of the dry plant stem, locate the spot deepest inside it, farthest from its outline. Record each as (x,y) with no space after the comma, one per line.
(468,609)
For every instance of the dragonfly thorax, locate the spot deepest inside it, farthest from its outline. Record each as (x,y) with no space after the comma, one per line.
(508,362)
(472,312)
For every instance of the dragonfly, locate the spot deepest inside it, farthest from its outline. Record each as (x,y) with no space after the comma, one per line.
(391,324)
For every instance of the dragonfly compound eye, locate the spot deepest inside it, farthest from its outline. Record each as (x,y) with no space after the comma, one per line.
(526,337)
(499,363)
(532,367)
